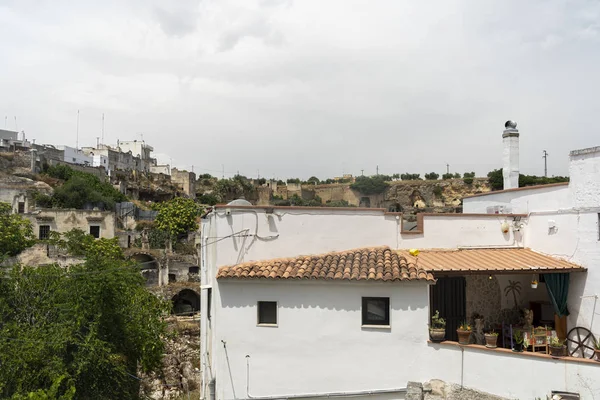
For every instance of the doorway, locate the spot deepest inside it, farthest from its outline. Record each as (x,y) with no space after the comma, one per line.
(448,296)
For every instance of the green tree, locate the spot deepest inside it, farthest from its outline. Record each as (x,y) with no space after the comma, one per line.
(468,177)
(496,179)
(396,177)
(432,176)
(410,177)
(370,184)
(16,233)
(81,333)
(209,198)
(456,175)
(314,180)
(177,216)
(293,180)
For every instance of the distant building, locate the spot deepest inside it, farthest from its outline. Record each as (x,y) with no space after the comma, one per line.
(185,180)
(141,150)
(72,155)
(99,224)
(9,140)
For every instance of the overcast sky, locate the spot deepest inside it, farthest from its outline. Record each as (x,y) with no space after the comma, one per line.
(295,88)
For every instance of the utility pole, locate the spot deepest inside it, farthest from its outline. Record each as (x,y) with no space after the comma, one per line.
(447,168)
(545,157)
(377,169)
(102,129)
(362,172)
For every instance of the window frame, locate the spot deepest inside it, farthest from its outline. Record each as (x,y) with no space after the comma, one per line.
(47,235)
(366,322)
(99,231)
(258,313)
(21,207)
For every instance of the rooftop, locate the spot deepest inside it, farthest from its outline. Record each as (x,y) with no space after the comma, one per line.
(366,264)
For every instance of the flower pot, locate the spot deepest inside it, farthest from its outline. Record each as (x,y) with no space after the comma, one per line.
(518,347)
(463,336)
(557,351)
(437,334)
(597,352)
(491,340)
(534,285)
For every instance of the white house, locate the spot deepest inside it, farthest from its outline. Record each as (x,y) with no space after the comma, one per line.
(304,302)
(72,155)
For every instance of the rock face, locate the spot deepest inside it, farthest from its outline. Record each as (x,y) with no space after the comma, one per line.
(440,390)
(181,364)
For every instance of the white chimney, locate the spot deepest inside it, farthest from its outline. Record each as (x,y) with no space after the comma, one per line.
(510,155)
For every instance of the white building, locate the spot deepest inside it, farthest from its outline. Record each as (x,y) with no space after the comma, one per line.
(139,149)
(72,155)
(353,316)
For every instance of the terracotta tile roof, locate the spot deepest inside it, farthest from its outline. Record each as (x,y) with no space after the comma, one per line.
(515,260)
(367,264)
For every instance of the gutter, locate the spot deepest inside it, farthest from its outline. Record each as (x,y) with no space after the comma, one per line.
(369,392)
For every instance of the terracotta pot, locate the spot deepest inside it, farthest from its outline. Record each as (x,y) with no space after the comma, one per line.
(437,334)
(597,351)
(556,351)
(491,340)
(463,336)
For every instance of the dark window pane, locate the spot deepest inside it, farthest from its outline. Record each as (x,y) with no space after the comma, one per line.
(95,231)
(21,207)
(267,312)
(44,232)
(375,310)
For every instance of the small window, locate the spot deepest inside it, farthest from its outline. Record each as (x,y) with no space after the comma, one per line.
(44,232)
(267,313)
(21,207)
(375,310)
(172,278)
(194,270)
(95,231)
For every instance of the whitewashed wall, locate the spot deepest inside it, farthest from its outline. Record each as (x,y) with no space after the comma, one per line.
(319,344)
(522,201)
(75,156)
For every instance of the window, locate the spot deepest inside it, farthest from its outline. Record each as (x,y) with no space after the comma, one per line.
(21,208)
(172,278)
(44,232)
(267,313)
(194,270)
(95,231)
(375,310)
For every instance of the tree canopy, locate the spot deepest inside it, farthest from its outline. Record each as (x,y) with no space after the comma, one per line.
(79,188)
(80,333)
(410,177)
(16,233)
(370,184)
(496,179)
(432,176)
(177,216)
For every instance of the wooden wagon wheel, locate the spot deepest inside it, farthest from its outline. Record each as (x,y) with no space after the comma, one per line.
(580,339)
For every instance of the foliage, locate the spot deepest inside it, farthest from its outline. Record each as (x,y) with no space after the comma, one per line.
(209,198)
(234,188)
(447,176)
(296,200)
(77,241)
(468,177)
(555,342)
(205,176)
(396,177)
(294,180)
(597,344)
(464,326)
(437,191)
(141,225)
(280,182)
(492,333)
(79,189)
(410,177)
(338,203)
(513,287)
(328,181)
(261,181)
(432,176)
(496,180)
(157,239)
(79,333)
(518,336)
(456,175)
(313,180)
(177,216)
(437,322)
(16,233)
(370,184)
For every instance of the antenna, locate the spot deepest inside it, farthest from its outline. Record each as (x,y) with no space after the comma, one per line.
(102,129)
(97,139)
(77,138)
(545,157)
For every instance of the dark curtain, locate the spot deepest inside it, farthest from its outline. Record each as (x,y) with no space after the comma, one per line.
(558,291)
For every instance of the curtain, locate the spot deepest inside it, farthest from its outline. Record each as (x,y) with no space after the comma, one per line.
(558,291)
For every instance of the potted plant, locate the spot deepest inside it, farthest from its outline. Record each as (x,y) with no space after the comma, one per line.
(437,331)
(518,344)
(556,347)
(491,339)
(534,284)
(597,349)
(464,333)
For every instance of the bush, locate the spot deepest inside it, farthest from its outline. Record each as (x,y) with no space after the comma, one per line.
(447,176)
(209,199)
(338,203)
(432,176)
(410,177)
(293,180)
(437,191)
(370,184)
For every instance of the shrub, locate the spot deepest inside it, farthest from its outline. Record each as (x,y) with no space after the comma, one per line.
(432,176)
(369,185)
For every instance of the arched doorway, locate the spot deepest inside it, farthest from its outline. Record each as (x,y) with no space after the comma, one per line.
(148,266)
(186,302)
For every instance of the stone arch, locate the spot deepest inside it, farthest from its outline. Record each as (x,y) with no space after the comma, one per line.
(187,301)
(416,196)
(365,201)
(148,266)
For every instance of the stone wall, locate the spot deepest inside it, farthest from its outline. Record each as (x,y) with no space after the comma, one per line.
(185,180)
(484,297)
(64,220)
(15,189)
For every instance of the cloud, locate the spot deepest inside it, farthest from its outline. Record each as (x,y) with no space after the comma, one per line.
(178,22)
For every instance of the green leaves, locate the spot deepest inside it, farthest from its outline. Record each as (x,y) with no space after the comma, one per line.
(16,233)
(177,216)
(79,333)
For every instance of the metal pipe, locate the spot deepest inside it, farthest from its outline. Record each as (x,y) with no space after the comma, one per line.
(370,392)
(203,312)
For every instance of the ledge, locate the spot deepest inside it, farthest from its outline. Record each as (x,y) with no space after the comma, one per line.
(514,353)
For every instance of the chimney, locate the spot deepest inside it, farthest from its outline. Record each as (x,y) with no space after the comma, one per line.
(510,155)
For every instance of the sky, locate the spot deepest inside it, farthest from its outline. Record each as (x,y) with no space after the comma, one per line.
(296,88)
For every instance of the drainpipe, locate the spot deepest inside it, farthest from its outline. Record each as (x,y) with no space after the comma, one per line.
(369,392)
(203,316)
